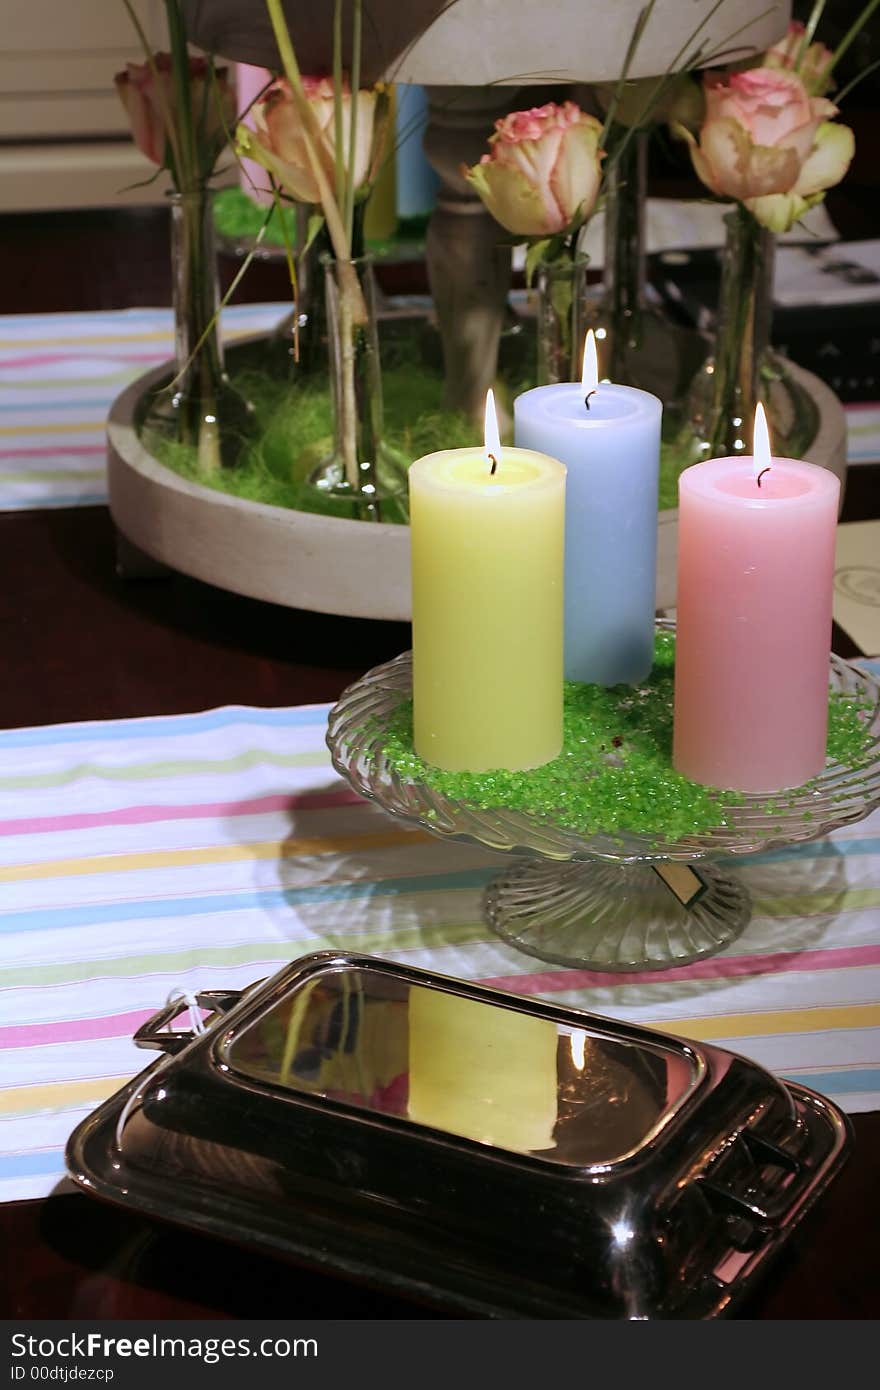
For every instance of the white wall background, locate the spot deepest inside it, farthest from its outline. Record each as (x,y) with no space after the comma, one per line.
(64,137)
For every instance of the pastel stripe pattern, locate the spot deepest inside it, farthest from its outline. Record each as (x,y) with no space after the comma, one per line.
(863,432)
(59,375)
(207,850)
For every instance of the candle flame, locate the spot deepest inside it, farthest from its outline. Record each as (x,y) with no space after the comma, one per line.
(760,442)
(590,373)
(491,437)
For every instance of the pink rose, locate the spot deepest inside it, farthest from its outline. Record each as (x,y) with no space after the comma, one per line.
(813,65)
(543,171)
(278,142)
(767,143)
(144,94)
(825,166)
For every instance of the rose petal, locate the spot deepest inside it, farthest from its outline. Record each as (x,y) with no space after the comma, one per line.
(575,179)
(145,118)
(792,124)
(770,171)
(769,104)
(723,158)
(698,159)
(366,108)
(533,158)
(543,167)
(777,211)
(296,179)
(513,200)
(280,130)
(829,160)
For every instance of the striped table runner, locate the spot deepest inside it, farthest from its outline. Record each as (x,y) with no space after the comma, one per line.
(147,855)
(863,432)
(59,374)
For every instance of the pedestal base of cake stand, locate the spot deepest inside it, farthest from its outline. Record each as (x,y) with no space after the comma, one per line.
(613,916)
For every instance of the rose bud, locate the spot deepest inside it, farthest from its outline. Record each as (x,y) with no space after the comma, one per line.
(543,172)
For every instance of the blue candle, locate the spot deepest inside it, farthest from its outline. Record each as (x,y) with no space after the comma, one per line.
(611,448)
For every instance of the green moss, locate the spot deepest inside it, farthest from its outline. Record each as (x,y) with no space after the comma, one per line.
(295,422)
(674,459)
(295,432)
(294,425)
(239,218)
(615,770)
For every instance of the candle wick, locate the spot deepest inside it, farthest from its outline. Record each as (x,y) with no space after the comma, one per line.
(587,397)
(494,465)
(761,474)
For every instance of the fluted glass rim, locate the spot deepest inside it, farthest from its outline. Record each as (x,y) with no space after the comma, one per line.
(840,795)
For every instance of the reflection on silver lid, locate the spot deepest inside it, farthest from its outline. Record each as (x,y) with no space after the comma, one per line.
(439,1138)
(502,1077)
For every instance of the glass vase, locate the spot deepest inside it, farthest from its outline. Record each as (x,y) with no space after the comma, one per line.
(743,368)
(561,322)
(298,347)
(200,409)
(623,275)
(639,345)
(361,477)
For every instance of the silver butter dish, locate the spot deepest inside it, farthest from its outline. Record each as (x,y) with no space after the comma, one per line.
(488,1154)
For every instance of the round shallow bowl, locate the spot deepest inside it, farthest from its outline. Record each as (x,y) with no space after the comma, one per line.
(600,899)
(304,560)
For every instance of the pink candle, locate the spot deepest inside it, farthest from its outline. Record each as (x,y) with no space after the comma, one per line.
(755,570)
(252,177)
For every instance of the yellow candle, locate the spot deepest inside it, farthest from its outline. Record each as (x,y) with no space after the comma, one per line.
(485,1072)
(487,567)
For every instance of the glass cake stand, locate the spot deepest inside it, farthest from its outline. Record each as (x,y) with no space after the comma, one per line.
(597,900)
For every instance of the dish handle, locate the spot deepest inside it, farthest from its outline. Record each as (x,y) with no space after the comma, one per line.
(158,1035)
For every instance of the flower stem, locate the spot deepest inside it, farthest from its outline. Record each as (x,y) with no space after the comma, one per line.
(348,392)
(809,31)
(188,170)
(331,209)
(355,82)
(742,331)
(624,261)
(171,133)
(338,151)
(853,32)
(561,283)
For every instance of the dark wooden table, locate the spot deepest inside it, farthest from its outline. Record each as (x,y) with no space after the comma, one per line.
(78,643)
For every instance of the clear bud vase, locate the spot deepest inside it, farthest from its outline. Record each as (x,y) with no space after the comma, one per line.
(561,318)
(298,346)
(623,276)
(361,478)
(743,369)
(200,409)
(639,345)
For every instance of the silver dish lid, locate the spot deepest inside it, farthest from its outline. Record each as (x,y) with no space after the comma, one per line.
(494,1154)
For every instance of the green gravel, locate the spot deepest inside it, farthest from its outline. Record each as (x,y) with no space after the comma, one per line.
(615,772)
